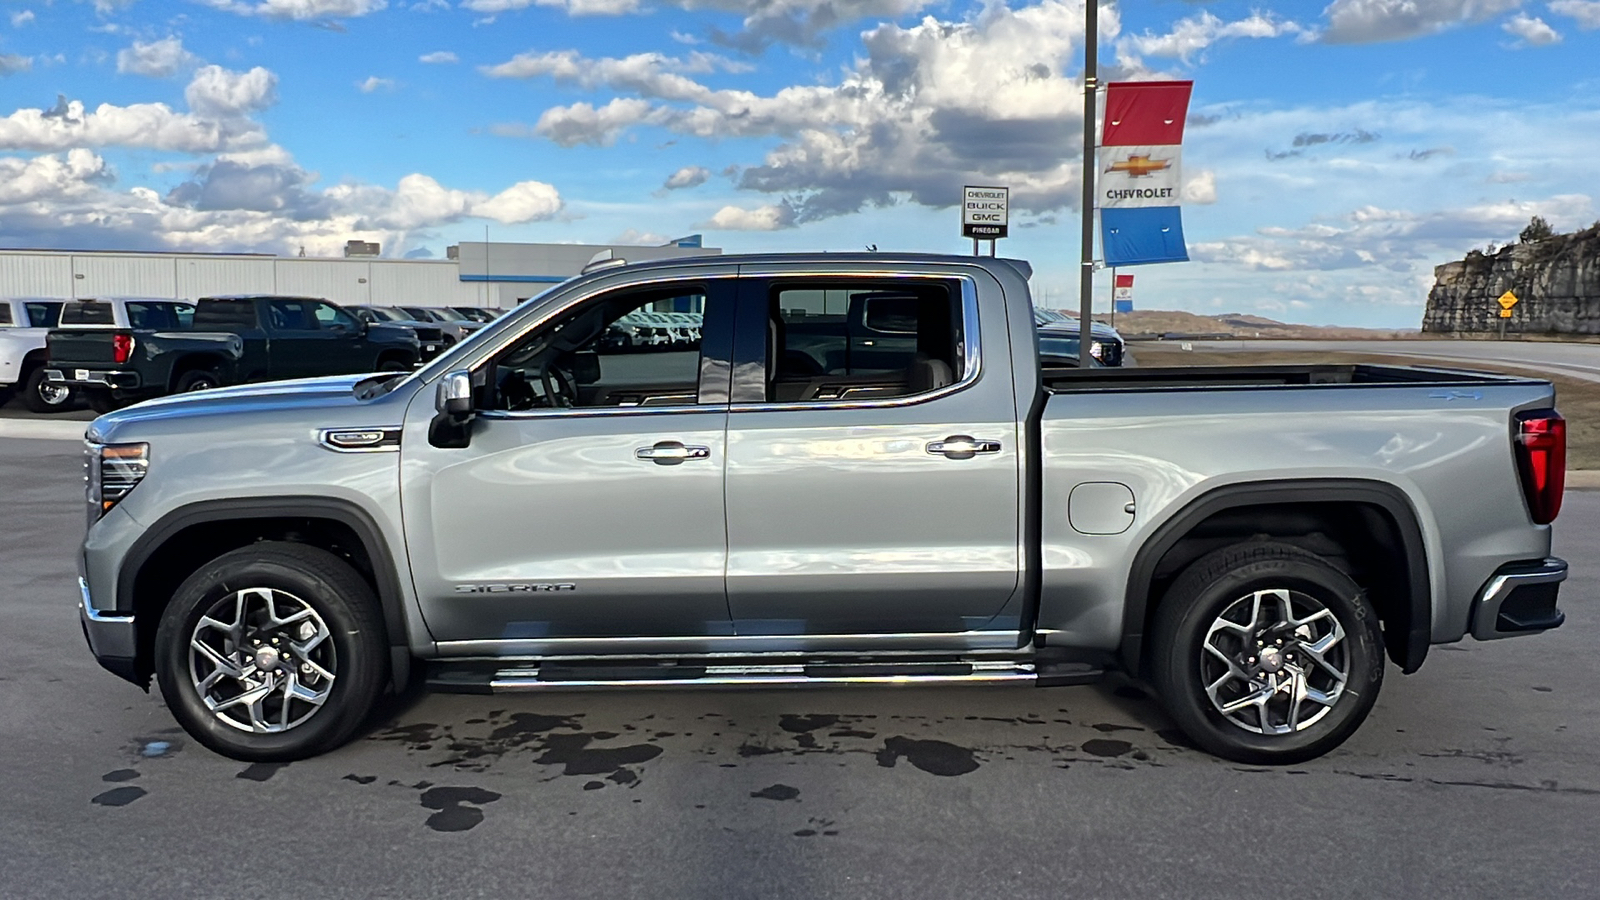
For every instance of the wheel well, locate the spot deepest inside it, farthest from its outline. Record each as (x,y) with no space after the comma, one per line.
(399,356)
(31,360)
(192,362)
(1376,545)
(186,551)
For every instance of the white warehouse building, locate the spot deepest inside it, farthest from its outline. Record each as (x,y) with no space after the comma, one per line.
(492,275)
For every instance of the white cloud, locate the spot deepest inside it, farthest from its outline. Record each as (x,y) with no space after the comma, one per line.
(21,18)
(156,59)
(215,91)
(572,7)
(1586,12)
(1530,31)
(921,110)
(1190,37)
(525,201)
(1201,189)
(53,178)
(11,63)
(374,83)
(148,125)
(1365,21)
(687,177)
(582,123)
(762,218)
(439,57)
(300,10)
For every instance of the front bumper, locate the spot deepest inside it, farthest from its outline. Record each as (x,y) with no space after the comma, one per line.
(112,638)
(114,378)
(1520,598)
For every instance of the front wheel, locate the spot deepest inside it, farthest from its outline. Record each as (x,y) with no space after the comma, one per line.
(1267,654)
(103,401)
(272,652)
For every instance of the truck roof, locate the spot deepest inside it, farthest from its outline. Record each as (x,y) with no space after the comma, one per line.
(888,259)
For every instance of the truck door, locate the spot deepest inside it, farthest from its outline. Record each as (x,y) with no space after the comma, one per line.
(873,466)
(298,349)
(587,506)
(345,346)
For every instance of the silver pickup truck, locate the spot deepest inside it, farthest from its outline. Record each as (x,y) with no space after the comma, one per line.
(859,474)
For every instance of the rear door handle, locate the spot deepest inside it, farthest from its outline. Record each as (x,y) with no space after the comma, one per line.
(962,446)
(671,453)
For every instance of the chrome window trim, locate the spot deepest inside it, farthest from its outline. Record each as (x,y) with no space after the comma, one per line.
(593,411)
(970,348)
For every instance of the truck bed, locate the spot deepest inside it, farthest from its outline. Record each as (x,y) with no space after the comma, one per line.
(1058,379)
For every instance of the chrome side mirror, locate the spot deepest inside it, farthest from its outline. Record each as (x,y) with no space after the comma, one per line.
(454,396)
(452,427)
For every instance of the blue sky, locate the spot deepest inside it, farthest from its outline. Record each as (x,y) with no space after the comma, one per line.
(1335,153)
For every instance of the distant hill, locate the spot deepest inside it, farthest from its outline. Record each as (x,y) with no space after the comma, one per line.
(1156,321)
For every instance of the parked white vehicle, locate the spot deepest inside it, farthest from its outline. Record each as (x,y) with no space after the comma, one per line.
(24,322)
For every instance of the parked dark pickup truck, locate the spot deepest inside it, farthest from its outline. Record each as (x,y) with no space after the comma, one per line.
(233,340)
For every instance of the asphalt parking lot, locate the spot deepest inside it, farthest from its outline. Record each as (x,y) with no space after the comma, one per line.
(1479,776)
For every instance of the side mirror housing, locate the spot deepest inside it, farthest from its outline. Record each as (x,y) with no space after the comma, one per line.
(452,427)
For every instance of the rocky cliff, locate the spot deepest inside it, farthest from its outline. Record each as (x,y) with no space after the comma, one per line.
(1557,280)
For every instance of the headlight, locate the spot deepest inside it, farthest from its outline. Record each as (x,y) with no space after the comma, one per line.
(111,471)
(1097,351)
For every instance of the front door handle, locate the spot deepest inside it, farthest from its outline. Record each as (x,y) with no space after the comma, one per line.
(962,446)
(671,453)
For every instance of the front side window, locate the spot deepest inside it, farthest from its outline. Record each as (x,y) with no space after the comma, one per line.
(613,351)
(160,315)
(858,340)
(328,316)
(290,315)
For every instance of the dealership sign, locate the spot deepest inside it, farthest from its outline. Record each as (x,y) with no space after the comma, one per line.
(984,212)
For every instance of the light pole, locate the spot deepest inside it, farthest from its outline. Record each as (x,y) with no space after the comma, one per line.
(1090,85)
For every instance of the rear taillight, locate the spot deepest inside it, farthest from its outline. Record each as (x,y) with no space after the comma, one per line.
(1541,443)
(121,347)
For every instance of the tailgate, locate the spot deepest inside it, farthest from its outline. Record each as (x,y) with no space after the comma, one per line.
(87,347)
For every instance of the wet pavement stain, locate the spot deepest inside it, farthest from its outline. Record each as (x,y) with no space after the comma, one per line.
(260,771)
(796,724)
(1108,728)
(777,792)
(573,752)
(452,815)
(933,757)
(121,796)
(1106,747)
(361,779)
(120,775)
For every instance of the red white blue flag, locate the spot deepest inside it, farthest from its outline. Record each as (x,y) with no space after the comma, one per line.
(1140,179)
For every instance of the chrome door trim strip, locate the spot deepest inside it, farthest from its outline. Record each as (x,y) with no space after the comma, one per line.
(704,644)
(499,685)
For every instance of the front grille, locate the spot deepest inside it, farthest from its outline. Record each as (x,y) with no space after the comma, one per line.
(427,335)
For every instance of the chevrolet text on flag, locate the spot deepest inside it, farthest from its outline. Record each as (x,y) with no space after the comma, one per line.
(1141,174)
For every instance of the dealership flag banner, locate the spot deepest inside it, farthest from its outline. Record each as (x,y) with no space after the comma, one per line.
(1141,174)
(1122,294)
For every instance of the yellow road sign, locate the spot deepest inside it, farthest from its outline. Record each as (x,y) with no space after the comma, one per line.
(1507,300)
(1505,313)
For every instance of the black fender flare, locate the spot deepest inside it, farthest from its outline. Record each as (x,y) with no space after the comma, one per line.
(345,512)
(1382,495)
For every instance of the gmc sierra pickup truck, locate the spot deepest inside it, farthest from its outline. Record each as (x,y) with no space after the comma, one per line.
(862,474)
(230,340)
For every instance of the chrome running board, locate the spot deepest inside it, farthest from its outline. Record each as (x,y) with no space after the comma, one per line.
(481,678)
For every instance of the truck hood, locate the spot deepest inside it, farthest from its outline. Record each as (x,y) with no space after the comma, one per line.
(1097,329)
(308,394)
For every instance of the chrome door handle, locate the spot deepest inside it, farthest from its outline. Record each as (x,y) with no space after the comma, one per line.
(671,453)
(962,446)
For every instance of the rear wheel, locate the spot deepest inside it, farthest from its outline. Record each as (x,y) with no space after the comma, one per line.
(272,652)
(41,395)
(1265,653)
(196,380)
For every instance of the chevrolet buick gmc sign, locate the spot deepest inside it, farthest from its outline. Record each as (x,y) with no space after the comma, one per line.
(983,212)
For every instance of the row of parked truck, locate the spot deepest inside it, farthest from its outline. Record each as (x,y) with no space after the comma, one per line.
(116,351)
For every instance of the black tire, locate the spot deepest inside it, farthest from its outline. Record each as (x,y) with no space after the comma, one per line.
(1192,613)
(102,401)
(40,396)
(295,574)
(393,365)
(196,380)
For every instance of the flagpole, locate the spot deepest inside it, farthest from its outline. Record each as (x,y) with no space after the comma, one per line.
(1113,296)
(1091,41)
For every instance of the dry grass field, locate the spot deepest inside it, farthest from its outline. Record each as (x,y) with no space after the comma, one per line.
(1579,401)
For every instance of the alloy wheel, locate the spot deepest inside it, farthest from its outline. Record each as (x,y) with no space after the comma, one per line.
(1274,662)
(261,660)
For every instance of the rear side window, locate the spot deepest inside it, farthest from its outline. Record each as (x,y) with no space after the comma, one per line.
(44,315)
(861,340)
(88,313)
(160,315)
(219,313)
(5,314)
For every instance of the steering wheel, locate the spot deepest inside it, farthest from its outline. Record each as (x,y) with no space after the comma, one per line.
(560,389)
